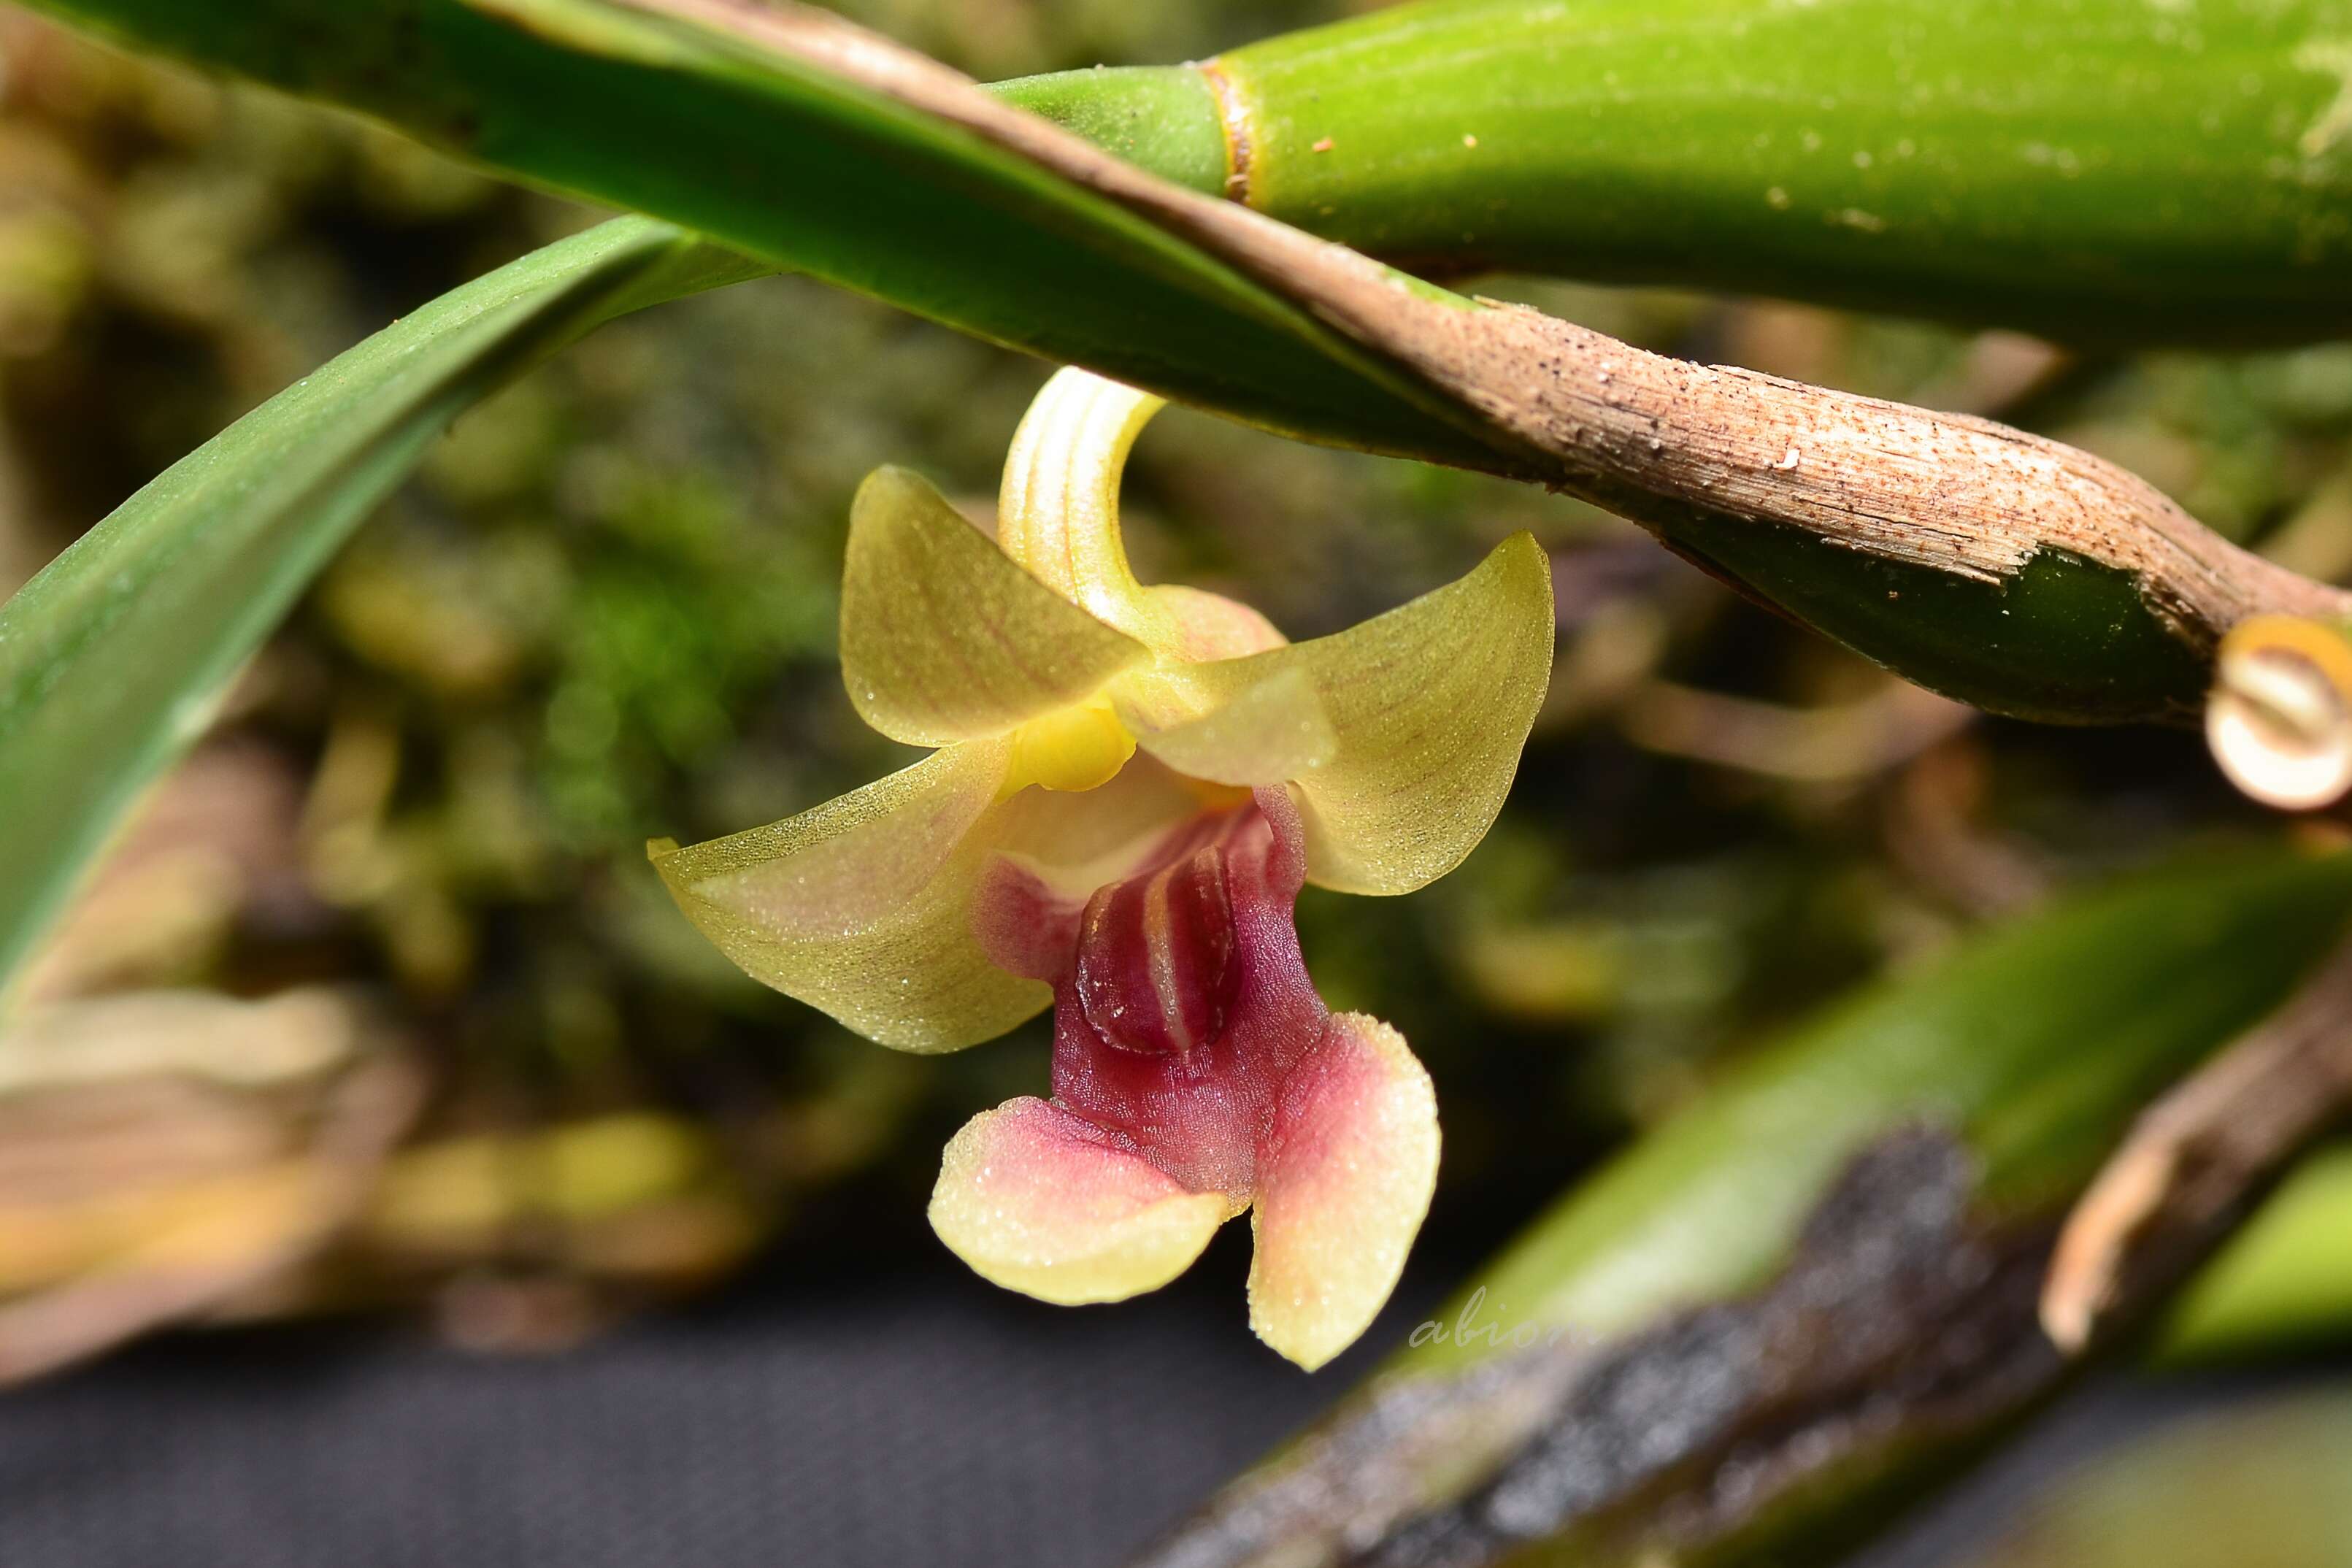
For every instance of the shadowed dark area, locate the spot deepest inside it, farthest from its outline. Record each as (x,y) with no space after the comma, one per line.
(890,1420)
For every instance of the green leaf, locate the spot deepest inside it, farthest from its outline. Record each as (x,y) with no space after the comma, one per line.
(818,147)
(111,659)
(702,115)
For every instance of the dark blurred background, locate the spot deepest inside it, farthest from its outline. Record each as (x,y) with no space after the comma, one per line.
(413,842)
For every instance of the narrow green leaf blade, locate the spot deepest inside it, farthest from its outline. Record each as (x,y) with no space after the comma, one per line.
(112,658)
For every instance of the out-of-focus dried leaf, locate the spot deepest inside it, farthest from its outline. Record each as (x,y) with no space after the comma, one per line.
(167,1152)
(214,843)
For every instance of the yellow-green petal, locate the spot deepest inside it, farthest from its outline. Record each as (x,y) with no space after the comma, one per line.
(944,636)
(863,906)
(1040,1201)
(1402,735)
(1252,733)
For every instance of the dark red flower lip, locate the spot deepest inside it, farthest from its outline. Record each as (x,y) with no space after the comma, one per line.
(1193,1059)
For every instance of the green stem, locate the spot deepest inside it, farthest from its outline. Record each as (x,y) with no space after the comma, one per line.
(2102,169)
(1165,118)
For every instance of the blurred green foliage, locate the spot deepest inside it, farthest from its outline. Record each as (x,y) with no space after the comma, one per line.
(2258,1481)
(606,611)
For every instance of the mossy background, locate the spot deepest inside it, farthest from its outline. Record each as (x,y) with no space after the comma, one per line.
(606,611)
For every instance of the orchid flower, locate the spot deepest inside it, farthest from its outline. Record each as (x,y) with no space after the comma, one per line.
(1130,783)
